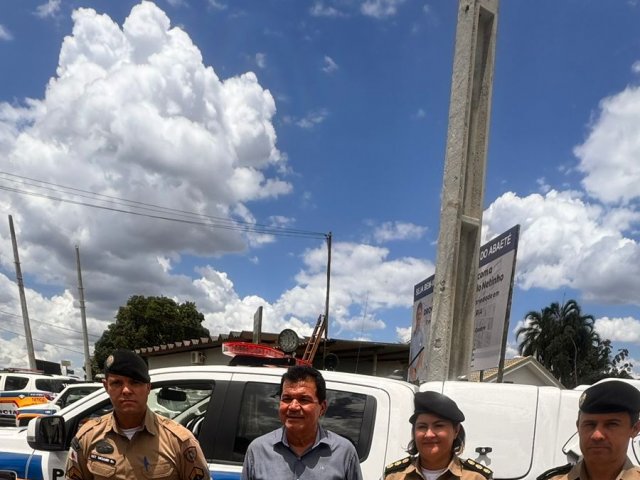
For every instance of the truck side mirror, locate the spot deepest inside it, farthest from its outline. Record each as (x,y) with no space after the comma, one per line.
(47,433)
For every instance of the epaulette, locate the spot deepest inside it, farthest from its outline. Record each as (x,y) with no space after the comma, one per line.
(397,466)
(175,428)
(555,471)
(474,466)
(88,426)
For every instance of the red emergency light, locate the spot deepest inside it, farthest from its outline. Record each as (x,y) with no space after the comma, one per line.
(271,355)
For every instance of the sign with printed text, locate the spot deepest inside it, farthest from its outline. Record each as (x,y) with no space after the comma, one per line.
(420,329)
(494,286)
(493,297)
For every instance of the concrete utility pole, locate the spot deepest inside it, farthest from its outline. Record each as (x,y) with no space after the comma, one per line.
(83,315)
(463,191)
(329,238)
(23,299)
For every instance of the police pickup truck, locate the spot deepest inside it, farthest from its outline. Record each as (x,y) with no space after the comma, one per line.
(518,431)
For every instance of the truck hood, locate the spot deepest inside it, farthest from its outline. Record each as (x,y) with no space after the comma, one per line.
(14,439)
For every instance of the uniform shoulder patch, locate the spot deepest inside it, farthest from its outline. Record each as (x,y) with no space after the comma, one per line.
(555,471)
(397,466)
(474,466)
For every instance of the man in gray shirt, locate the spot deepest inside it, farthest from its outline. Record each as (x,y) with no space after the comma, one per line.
(301,449)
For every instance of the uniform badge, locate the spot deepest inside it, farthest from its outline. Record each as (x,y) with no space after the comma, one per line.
(196,474)
(109,361)
(74,473)
(104,447)
(190,454)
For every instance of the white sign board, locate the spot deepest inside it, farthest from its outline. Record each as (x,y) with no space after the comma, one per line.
(493,297)
(420,329)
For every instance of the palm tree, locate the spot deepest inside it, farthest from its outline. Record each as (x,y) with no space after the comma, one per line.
(563,339)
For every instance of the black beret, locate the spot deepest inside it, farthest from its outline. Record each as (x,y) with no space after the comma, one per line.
(610,397)
(128,364)
(437,404)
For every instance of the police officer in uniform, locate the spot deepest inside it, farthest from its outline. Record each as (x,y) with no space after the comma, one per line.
(607,420)
(437,440)
(132,442)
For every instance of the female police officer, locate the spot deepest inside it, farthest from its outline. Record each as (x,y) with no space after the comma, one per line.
(437,439)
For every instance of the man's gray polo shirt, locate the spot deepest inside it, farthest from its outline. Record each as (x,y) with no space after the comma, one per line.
(331,457)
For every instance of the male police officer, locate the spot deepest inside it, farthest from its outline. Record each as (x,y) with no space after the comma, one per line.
(133,442)
(607,420)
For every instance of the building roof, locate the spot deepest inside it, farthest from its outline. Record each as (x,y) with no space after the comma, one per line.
(345,349)
(512,365)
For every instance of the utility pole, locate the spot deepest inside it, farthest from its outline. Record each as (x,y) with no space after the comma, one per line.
(83,315)
(463,191)
(23,299)
(326,302)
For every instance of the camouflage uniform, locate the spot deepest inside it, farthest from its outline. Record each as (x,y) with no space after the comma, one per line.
(162,449)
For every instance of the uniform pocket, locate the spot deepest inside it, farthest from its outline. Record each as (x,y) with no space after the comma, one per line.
(101,470)
(159,470)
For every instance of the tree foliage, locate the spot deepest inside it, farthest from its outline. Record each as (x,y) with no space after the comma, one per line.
(564,340)
(149,321)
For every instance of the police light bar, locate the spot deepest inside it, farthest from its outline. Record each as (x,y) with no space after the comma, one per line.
(243,353)
(250,349)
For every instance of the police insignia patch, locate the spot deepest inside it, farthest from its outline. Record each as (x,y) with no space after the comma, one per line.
(190,454)
(196,474)
(469,464)
(397,466)
(74,473)
(109,361)
(104,446)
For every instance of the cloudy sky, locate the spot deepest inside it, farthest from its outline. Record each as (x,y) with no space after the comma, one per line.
(201,149)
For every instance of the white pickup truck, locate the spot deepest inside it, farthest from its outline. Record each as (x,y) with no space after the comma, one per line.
(516,430)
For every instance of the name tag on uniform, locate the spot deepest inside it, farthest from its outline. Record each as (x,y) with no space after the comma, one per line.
(100,458)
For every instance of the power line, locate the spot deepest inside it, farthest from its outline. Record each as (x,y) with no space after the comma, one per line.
(43,342)
(178,215)
(2,312)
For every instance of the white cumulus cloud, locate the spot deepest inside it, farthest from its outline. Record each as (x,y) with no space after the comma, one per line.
(567,242)
(135,119)
(389,231)
(609,155)
(625,329)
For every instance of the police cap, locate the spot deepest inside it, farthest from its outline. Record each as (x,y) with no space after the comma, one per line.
(128,364)
(437,404)
(610,397)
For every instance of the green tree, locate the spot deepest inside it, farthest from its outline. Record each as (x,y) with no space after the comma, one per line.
(564,340)
(149,321)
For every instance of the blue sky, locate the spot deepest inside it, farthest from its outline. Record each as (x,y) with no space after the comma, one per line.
(315,116)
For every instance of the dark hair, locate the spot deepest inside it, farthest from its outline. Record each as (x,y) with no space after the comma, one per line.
(458,442)
(298,373)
